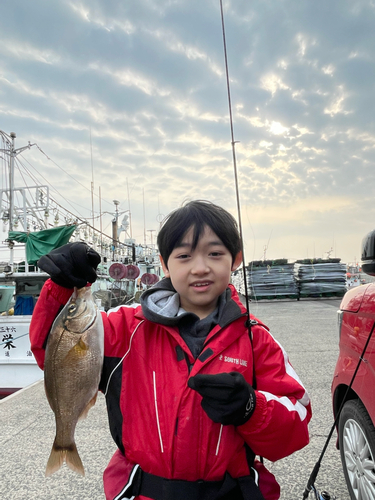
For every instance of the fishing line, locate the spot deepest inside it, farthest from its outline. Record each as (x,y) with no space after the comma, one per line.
(233,142)
(310,485)
(312,478)
(124,356)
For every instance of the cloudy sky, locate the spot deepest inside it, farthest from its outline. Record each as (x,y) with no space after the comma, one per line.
(145,79)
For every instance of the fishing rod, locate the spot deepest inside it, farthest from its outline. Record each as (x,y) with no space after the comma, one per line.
(233,143)
(310,487)
(310,484)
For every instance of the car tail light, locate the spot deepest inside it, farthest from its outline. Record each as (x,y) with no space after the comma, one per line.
(340,315)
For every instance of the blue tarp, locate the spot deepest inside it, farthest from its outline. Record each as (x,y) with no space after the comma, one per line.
(24,305)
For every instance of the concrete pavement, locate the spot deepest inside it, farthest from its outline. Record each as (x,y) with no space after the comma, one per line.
(306,329)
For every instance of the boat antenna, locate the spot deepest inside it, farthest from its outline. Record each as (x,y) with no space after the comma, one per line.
(233,142)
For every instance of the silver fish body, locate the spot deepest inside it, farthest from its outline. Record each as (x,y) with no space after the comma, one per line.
(73,366)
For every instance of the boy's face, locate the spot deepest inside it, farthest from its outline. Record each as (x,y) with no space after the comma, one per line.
(201,275)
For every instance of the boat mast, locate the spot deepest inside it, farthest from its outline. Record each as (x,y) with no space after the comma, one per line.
(12,152)
(92,185)
(11,181)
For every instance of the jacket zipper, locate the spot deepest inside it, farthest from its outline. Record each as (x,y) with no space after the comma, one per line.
(189,365)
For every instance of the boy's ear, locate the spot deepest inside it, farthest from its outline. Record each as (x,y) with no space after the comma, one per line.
(237,261)
(164,267)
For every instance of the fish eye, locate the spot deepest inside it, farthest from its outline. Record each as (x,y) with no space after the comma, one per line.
(72,308)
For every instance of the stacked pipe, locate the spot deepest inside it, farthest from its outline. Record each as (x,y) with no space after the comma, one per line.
(269,279)
(320,278)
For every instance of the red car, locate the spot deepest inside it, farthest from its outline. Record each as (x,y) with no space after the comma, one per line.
(356,431)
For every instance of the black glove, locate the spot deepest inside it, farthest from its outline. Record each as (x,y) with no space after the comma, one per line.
(73,264)
(227,398)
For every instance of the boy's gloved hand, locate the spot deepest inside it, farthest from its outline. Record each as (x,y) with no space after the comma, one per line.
(227,397)
(73,264)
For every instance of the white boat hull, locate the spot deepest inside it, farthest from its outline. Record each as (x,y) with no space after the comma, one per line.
(18,367)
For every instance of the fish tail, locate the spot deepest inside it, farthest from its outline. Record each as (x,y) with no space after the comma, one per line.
(56,459)
(60,455)
(73,460)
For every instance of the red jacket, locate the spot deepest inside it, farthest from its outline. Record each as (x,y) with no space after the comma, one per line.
(157,421)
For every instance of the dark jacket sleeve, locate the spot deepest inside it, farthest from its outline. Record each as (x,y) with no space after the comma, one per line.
(52,298)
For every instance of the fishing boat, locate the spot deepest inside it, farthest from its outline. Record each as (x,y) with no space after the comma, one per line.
(19,290)
(354,276)
(126,268)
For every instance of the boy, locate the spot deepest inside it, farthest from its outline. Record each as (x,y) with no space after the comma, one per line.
(191,399)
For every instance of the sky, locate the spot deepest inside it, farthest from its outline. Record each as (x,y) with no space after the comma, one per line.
(127,100)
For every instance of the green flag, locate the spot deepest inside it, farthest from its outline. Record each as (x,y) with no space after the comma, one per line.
(42,242)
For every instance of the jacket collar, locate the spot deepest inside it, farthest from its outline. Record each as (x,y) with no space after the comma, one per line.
(160,304)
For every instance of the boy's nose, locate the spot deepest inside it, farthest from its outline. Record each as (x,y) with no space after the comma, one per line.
(200,266)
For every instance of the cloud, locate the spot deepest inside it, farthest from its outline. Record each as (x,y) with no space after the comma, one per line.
(147,81)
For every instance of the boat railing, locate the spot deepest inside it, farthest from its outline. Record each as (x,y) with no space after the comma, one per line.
(14,260)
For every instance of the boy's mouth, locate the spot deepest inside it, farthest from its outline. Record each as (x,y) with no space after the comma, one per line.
(201,284)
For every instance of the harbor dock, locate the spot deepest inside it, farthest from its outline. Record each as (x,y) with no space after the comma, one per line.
(306,329)
(27,431)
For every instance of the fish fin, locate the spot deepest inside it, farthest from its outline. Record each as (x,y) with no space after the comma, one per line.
(76,352)
(55,461)
(82,345)
(60,455)
(73,460)
(89,405)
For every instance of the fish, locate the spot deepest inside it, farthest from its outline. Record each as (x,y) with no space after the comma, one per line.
(72,370)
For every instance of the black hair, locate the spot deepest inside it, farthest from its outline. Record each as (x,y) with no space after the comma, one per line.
(198,214)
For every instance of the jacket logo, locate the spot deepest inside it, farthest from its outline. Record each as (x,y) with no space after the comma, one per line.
(236,361)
